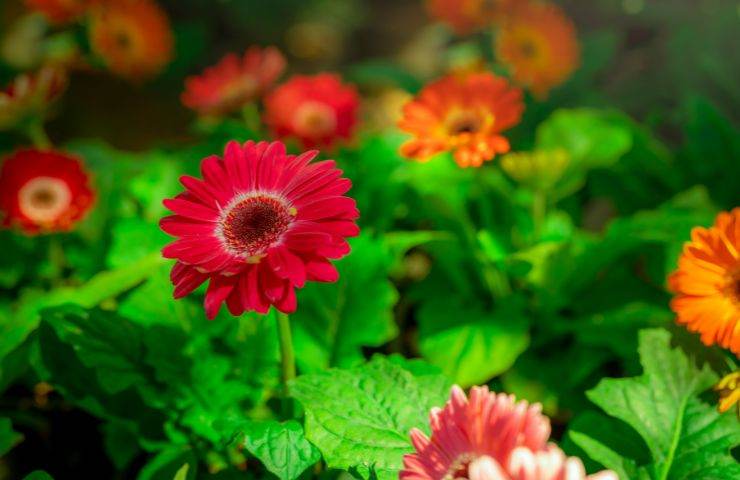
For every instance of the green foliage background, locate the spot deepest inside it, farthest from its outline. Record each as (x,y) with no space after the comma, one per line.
(453,280)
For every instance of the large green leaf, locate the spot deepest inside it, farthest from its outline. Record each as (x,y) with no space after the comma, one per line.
(686,438)
(281,447)
(334,321)
(469,344)
(360,418)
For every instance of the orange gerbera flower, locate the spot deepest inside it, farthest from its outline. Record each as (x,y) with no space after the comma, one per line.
(462,114)
(60,11)
(707,282)
(133,37)
(465,16)
(539,44)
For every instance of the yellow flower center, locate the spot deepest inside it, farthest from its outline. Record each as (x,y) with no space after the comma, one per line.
(314,120)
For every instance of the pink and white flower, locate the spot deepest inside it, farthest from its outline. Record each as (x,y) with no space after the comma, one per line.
(490,436)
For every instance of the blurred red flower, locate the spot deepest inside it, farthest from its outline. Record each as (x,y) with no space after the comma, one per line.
(260,224)
(464,115)
(233,82)
(317,110)
(44,191)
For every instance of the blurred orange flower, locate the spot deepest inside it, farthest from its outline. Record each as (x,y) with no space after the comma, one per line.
(316,110)
(29,96)
(60,11)
(462,114)
(234,81)
(132,37)
(465,16)
(707,282)
(539,44)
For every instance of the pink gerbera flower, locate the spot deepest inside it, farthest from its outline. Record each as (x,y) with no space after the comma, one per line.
(490,437)
(257,226)
(234,81)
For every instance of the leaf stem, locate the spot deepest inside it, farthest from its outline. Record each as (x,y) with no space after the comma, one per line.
(287,361)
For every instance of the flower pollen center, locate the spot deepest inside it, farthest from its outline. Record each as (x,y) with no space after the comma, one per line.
(255,223)
(44,199)
(315,120)
(459,468)
(465,123)
(732,288)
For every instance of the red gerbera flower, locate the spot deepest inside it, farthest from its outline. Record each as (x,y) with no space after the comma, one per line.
(316,110)
(43,191)
(257,226)
(234,81)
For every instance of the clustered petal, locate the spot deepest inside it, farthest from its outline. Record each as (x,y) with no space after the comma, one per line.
(234,81)
(466,16)
(43,191)
(707,282)
(316,110)
(132,37)
(464,115)
(490,436)
(258,225)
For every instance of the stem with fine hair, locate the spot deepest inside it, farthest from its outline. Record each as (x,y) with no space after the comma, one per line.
(287,361)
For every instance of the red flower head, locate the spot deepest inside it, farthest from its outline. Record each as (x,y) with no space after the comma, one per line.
(316,110)
(43,191)
(257,226)
(462,114)
(234,81)
(60,11)
(29,96)
(132,37)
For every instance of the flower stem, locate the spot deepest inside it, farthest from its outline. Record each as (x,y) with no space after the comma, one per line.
(539,211)
(287,361)
(38,136)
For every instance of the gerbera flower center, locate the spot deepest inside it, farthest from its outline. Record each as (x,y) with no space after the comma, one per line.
(44,199)
(465,123)
(242,88)
(314,120)
(254,223)
(459,468)
(732,289)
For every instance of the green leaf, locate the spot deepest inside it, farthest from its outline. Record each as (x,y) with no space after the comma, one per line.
(169,463)
(593,138)
(360,418)
(8,438)
(182,474)
(469,344)
(38,475)
(686,438)
(134,239)
(281,447)
(336,320)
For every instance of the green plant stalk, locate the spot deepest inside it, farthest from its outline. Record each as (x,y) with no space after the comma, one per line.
(38,136)
(539,211)
(287,361)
